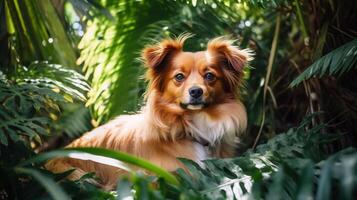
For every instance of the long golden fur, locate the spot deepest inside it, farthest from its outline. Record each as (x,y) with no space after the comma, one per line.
(192,110)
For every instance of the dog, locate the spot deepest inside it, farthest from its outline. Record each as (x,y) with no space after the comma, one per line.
(192,111)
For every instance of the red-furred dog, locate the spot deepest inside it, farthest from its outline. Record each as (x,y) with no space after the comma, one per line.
(192,102)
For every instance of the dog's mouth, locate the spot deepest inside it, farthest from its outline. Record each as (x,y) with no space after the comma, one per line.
(194,105)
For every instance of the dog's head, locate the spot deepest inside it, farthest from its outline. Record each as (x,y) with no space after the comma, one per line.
(195,80)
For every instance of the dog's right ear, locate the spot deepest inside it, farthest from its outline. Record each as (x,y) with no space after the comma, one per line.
(154,56)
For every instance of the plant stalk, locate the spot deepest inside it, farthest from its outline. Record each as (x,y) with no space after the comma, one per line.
(268,74)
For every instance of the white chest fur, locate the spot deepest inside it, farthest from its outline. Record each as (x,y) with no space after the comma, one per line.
(230,120)
(201,153)
(202,126)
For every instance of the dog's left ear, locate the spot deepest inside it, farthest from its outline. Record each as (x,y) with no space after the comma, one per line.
(154,56)
(224,50)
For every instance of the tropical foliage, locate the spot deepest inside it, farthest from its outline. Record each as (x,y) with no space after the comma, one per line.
(66,66)
(337,62)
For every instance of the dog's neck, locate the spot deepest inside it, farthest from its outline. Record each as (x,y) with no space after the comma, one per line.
(210,126)
(164,119)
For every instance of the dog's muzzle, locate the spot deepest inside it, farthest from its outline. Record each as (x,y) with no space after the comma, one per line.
(195,100)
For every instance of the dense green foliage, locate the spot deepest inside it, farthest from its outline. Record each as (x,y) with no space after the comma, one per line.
(302,133)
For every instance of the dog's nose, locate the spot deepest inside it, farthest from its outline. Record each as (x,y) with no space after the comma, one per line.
(195,92)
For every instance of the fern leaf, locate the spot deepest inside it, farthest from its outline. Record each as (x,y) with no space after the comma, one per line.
(337,62)
(3,138)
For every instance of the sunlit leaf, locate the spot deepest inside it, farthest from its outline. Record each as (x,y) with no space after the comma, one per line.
(119,156)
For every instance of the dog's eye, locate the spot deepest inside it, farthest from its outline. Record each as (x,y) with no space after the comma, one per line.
(210,76)
(179,77)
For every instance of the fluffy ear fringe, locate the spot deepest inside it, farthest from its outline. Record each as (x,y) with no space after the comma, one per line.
(234,58)
(237,58)
(154,55)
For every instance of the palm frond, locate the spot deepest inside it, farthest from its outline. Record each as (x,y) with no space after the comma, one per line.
(266,3)
(337,62)
(75,120)
(56,77)
(90,8)
(36,27)
(27,104)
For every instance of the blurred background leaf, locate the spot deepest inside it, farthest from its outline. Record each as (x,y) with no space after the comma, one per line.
(337,62)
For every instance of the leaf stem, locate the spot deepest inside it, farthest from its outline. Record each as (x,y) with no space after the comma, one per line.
(301,20)
(268,74)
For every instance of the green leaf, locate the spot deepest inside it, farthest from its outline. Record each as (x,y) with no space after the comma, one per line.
(26,130)
(3,138)
(336,62)
(124,189)
(4,115)
(56,29)
(12,133)
(276,188)
(53,76)
(305,185)
(117,155)
(348,176)
(324,184)
(37,128)
(53,189)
